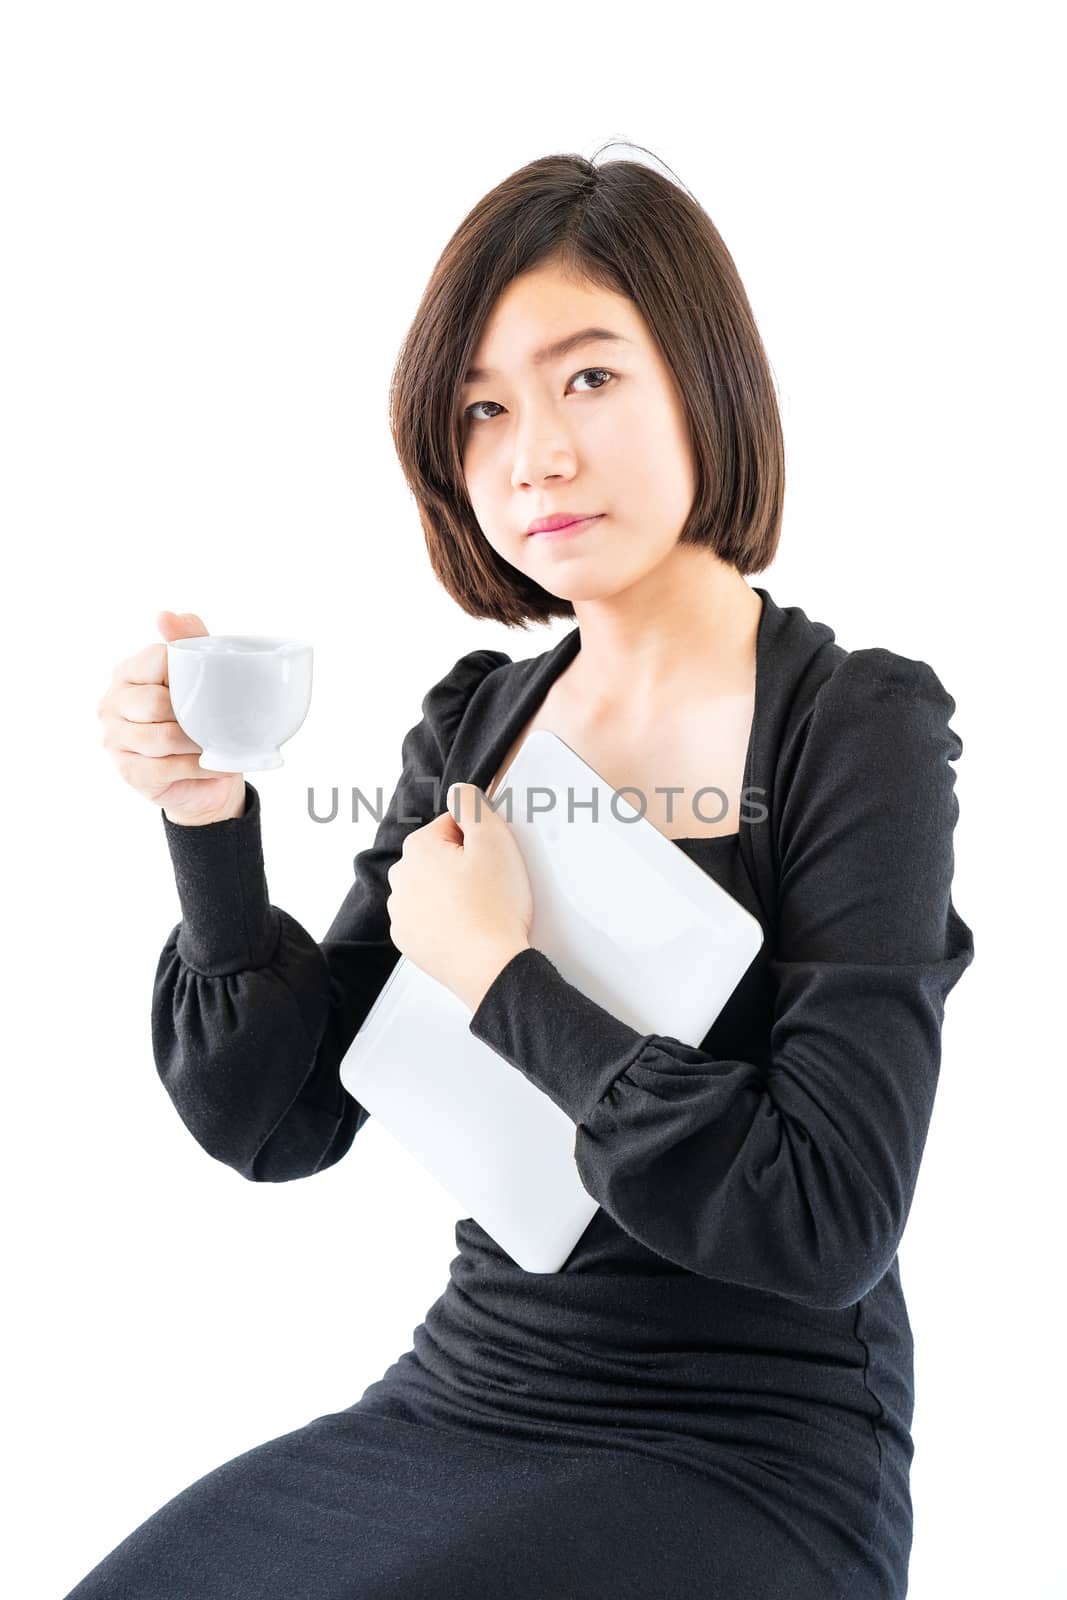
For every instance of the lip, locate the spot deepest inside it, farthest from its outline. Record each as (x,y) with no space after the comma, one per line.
(559,521)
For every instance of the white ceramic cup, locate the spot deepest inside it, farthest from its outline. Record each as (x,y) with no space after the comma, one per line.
(239,696)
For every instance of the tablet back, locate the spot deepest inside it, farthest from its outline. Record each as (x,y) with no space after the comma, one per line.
(626,917)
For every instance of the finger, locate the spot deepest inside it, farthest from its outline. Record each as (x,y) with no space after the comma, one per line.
(155,739)
(147,666)
(144,702)
(156,772)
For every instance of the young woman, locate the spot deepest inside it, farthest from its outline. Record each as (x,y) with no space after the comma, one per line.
(714,1395)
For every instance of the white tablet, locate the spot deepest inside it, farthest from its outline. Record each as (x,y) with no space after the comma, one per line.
(631,921)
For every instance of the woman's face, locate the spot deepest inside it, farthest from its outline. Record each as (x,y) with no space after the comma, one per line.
(598,429)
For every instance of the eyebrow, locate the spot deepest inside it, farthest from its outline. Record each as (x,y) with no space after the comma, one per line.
(560,348)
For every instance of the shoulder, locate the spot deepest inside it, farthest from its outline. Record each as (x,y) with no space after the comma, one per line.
(877,743)
(879,699)
(872,779)
(446,701)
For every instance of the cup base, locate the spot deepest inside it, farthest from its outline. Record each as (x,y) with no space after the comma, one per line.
(239,760)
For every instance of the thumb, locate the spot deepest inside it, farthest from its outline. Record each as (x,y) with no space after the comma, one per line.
(468,805)
(186,625)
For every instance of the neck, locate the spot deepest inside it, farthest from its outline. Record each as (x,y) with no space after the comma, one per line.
(693,620)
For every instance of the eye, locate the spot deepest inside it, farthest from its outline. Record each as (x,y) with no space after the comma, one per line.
(601,372)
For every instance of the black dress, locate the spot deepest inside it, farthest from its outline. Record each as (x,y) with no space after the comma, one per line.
(714,1394)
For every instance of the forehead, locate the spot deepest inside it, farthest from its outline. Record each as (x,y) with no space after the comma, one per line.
(542,316)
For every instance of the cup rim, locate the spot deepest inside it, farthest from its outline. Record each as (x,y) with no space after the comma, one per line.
(281,645)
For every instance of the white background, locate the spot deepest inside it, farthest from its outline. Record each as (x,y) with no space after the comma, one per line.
(218,222)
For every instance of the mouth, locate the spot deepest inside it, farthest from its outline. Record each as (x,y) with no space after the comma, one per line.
(553,527)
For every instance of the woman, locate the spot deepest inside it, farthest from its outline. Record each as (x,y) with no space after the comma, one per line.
(714,1394)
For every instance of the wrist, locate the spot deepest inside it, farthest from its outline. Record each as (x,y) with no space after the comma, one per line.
(232,813)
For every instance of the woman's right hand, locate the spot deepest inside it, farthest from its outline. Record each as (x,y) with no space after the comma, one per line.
(152,753)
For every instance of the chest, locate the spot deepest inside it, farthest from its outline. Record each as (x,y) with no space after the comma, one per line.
(684,772)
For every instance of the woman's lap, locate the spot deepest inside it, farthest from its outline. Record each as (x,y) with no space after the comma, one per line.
(354,1506)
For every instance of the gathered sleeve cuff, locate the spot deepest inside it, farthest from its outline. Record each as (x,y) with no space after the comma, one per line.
(564,1042)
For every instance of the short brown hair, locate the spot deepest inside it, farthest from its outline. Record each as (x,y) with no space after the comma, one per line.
(619,225)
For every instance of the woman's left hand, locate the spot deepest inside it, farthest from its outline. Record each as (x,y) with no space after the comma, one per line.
(460,904)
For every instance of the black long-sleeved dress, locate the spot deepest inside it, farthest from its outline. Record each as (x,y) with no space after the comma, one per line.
(714,1394)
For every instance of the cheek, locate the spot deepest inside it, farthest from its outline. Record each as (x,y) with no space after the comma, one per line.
(488,486)
(648,428)
(481,473)
(659,463)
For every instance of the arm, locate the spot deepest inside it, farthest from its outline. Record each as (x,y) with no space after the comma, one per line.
(251,1017)
(797,1181)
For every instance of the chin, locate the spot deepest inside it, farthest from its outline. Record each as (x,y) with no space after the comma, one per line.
(593,587)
